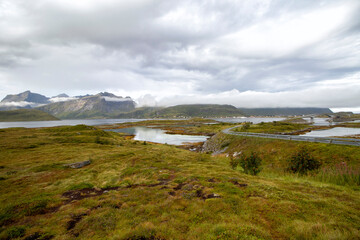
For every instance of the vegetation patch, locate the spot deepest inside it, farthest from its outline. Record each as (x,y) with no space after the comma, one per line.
(155,191)
(302,162)
(276,127)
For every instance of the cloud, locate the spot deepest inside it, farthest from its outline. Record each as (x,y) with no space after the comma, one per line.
(336,93)
(174,49)
(61,99)
(116,99)
(146,101)
(19,104)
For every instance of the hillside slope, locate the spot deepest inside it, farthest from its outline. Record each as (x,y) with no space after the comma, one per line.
(25,115)
(192,110)
(133,190)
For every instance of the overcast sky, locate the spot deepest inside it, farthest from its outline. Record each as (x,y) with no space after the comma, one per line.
(249,53)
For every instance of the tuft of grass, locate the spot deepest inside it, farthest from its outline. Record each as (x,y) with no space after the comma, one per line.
(48,167)
(80,186)
(15,232)
(340,174)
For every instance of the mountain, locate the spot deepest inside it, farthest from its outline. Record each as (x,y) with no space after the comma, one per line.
(140,113)
(62,95)
(283,111)
(26,97)
(22,100)
(25,115)
(192,110)
(102,105)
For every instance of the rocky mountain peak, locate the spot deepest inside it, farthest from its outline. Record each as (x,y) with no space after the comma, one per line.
(26,96)
(62,95)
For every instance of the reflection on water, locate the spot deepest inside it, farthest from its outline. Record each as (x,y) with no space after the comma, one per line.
(254,120)
(319,121)
(159,136)
(333,132)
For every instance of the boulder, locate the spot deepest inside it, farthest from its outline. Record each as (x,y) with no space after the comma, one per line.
(78,164)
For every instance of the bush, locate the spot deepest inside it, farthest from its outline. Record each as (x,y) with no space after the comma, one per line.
(251,163)
(301,162)
(245,126)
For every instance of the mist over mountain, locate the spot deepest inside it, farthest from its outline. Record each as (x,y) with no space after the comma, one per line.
(89,106)
(102,105)
(109,105)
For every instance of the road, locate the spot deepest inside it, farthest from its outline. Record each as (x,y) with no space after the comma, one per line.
(339,141)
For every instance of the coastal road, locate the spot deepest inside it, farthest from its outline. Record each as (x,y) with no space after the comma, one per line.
(339,141)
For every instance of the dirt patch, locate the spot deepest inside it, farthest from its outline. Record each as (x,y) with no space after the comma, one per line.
(204,196)
(179,186)
(38,235)
(86,193)
(74,220)
(93,192)
(189,190)
(235,182)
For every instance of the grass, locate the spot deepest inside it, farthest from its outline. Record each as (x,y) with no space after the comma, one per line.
(25,115)
(273,127)
(154,191)
(338,162)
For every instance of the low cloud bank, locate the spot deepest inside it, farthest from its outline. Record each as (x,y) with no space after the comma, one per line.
(21,104)
(332,94)
(61,99)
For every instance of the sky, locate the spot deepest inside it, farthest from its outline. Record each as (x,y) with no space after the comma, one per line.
(248,53)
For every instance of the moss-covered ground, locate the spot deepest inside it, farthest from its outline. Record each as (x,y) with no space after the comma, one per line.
(138,190)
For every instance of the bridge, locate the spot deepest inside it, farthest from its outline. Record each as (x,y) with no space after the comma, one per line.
(338,141)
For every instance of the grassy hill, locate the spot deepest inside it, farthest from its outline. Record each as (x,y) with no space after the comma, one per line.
(137,190)
(25,115)
(198,110)
(143,112)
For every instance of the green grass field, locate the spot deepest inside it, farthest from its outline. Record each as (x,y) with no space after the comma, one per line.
(137,190)
(25,115)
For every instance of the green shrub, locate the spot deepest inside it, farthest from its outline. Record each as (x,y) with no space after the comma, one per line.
(246,126)
(302,161)
(250,163)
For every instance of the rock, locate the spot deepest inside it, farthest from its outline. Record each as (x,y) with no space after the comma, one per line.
(235,154)
(78,164)
(213,195)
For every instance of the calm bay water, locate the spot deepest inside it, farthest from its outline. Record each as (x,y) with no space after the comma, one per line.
(254,120)
(94,122)
(333,132)
(90,122)
(160,136)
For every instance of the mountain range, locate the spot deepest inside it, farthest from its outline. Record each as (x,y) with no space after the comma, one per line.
(108,105)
